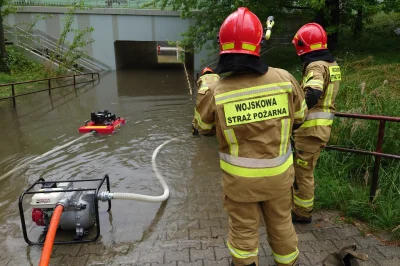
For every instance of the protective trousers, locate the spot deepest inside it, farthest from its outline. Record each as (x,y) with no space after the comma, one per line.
(304,165)
(244,221)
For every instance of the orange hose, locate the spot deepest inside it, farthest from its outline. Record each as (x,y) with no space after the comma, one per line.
(51,234)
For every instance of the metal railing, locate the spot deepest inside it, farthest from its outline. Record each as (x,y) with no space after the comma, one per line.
(137,4)
(49,85)
(378,154)
(41,45)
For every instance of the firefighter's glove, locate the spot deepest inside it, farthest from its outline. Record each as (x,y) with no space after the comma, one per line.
(347,256)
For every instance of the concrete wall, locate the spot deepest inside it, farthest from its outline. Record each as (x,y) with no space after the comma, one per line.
(110,25)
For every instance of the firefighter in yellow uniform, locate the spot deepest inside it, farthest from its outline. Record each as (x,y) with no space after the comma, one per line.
(206,79)
(321,77)
(253,110)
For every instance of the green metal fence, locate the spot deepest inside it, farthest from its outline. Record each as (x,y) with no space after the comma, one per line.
(136,4)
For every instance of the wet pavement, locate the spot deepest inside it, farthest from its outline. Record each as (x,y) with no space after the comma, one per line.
(188,229)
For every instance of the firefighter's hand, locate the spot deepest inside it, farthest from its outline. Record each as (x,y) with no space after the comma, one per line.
(195,132)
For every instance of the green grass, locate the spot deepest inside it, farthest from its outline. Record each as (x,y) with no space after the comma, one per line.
(22,69)
(370,85)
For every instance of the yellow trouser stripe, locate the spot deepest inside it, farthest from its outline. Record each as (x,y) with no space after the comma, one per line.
(317,122)
(284,136)
(328,98)
(287,258)
(275,88)
(300,113)
(315,83)
(256,172)
(201,123)
(231,139)
(241,254)
(303,203)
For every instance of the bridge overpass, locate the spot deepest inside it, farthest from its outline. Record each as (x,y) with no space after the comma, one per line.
(124,37)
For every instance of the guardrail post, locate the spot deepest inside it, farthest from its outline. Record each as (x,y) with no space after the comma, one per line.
(13,95)
(49,85)
(377,164)
(74,82)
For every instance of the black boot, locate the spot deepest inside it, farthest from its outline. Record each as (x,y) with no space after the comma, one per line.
(300,219)
(253,264)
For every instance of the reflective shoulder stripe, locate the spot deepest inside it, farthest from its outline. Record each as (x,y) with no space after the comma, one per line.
(231,139)
(256,172)
(284,136)
(203,87)
(300,113)
(283,87)
(241,254)
(320,115)
(255,163)
(315,83)
(303,203)
(201,123)
(317,122)
(286,259)
(328,98)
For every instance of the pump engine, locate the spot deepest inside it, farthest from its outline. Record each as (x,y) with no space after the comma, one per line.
(78,214)
(102,118)
(80,204)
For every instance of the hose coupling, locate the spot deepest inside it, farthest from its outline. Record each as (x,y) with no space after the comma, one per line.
(64,202)
(105,196)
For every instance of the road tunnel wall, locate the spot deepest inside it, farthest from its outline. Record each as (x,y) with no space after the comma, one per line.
(135,54)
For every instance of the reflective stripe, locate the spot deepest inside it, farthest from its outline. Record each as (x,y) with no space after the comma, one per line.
(316,46)
(231,139)
(319,115)
(284,136)
(228,46)
(300,113)
(255,163)
(256,172)
(204,87)
(249,47)
(328,98)
(201,123)
(303,203)
(286,259)
(241,254)
(317,122)
(315,83)
(253,92)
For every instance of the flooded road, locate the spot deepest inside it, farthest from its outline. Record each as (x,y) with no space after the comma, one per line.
(157,106)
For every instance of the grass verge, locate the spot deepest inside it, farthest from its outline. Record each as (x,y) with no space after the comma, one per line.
(22,69)
(370,85)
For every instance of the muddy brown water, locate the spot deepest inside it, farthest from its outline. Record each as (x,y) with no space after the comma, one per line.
(157,106)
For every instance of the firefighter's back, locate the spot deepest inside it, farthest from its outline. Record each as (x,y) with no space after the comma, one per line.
(254,118)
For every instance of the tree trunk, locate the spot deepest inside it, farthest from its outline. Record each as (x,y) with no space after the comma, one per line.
(3,52)
(332,20)
(358,25)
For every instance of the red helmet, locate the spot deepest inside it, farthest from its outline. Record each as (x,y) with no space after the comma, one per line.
(206,69)
(241,33)
(310,37)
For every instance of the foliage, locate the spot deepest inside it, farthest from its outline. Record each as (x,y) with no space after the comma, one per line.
(68,57)
(22,69)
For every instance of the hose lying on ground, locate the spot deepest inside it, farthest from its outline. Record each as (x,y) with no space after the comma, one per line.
(50,236)
(44,155)
(104,196)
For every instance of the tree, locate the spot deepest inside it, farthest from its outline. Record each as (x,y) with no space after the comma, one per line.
(209,15)
(5,9)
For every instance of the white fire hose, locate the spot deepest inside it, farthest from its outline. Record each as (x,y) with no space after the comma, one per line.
(106,195)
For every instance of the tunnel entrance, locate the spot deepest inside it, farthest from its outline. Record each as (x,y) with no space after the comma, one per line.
(150,54)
